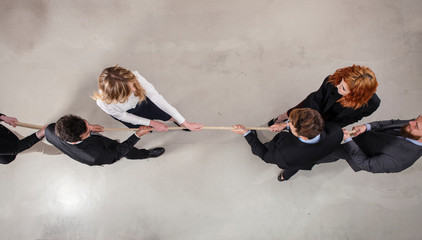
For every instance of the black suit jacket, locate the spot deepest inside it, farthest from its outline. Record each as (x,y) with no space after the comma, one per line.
(94,150)
(377,151)
(10,145)
(289,153)
(324,100)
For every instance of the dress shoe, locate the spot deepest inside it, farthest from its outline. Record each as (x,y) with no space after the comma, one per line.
(280,176)
(155,152)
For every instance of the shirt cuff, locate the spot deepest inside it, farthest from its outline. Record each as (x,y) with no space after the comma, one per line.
(348,140)
(368,126)
(137,136)
(246,133)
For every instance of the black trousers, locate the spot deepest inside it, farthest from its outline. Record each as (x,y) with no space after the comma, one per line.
(339,153)
(136,153)
(146,109)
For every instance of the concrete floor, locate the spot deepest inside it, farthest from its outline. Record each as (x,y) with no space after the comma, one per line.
(219,63)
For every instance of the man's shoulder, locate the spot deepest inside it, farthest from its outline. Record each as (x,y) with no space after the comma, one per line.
(332,128)
(50,127)
(50,132)
(332,132)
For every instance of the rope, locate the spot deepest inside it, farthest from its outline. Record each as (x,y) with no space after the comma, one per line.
(33,126)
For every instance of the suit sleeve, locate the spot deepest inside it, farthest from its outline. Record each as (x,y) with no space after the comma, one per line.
(373,105)
(381,163)
(158,99)
(13,148)
(357,115)
(381,124)
(263,151)
(109,156)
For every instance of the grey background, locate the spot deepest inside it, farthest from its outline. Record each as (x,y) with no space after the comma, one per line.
(219,63)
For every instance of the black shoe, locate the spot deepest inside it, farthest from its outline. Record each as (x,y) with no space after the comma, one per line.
(155,152)
(286,174)
(187,130)
(279,178)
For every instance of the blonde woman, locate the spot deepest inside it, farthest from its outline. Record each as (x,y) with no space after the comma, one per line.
(131,99)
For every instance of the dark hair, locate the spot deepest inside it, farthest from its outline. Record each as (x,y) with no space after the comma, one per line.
(70,128)
(307,122)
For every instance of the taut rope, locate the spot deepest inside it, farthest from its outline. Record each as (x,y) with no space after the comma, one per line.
(33,126)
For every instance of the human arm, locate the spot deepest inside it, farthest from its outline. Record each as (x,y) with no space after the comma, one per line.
(356,115)
(158,99)
(278,127)
(9,120)
(264,151)
(109,156)
(192,126)
(358,130)
(15,147)
(257,147)
(381,163)
(95,128)
(388,123)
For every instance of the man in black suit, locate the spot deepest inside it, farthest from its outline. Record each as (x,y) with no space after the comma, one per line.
(10,145)
(80,140)
(384,146)
(308,142)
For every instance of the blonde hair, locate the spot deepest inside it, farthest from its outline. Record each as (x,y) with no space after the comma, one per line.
(113,86)
(361,81)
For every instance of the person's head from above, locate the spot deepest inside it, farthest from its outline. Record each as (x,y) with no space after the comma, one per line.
(356,84)
(71,128)
(306,123)
(413,129)
(116,85)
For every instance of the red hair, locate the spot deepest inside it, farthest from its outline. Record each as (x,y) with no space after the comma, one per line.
(362,84)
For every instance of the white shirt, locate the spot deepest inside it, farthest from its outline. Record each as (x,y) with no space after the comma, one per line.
(118,110)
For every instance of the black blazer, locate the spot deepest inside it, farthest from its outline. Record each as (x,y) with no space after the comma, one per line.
(324,100)
(94,150)
(10,145)
(289,153)
(377,151)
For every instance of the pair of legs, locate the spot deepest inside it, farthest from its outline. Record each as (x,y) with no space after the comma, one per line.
(136,153)
(339,153)
(147,109)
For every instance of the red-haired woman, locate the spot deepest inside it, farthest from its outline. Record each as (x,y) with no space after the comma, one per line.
(344,97)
